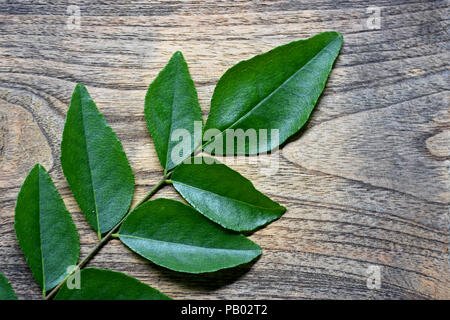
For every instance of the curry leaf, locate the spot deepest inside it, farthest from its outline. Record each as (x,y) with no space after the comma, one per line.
(6,291)
(98,284)
(95,164)
(274,90)
(171,104)
(174,235)
(223,195)
(45,229)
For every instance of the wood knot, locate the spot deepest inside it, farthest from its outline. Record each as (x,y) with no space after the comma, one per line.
(439,144)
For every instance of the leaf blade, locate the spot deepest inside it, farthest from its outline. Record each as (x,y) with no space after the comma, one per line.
(275,90)
(175,236)
(223,195)
(99,284)
(95,164)
(171,103)
(6,290)
(45,230)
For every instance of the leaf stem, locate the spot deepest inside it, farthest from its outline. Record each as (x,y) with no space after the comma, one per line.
(108,237)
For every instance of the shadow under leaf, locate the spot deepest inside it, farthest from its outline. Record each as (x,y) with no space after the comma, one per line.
(205,281)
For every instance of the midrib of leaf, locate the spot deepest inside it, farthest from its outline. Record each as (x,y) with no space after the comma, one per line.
(171,115)
(247,114)
(40,233)
(181,244)
(99,233)
(233,199)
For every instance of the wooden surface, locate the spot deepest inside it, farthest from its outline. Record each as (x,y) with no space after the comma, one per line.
(365,183)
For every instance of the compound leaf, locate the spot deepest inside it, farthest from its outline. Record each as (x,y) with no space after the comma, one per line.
(95,164)
(45,230)
(171,104)
(223,195)
(174,235)
(275,90)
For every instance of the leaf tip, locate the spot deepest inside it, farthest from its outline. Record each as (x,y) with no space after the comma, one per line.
(37,166)
(258,250)
(338,35)
(79,86)
(80,89)
(178,54)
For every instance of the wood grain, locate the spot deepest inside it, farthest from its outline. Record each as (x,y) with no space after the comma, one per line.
(366,182)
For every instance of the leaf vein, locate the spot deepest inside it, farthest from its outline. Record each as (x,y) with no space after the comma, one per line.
(233,199)
(181,244)
(249,112)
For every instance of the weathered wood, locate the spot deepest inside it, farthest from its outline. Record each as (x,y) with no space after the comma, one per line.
(365,183)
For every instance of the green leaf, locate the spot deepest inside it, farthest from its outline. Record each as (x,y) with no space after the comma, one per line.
(274,90)
(223,195)
(6,291)
(95,165)
(45,230)
(98,284)
(175,236)
(171,104)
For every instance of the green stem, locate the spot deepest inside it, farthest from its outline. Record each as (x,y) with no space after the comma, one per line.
(106,238)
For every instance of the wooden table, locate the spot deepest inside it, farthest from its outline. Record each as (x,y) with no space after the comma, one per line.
(366,183)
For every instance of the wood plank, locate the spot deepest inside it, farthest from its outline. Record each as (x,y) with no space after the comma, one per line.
(366,182)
